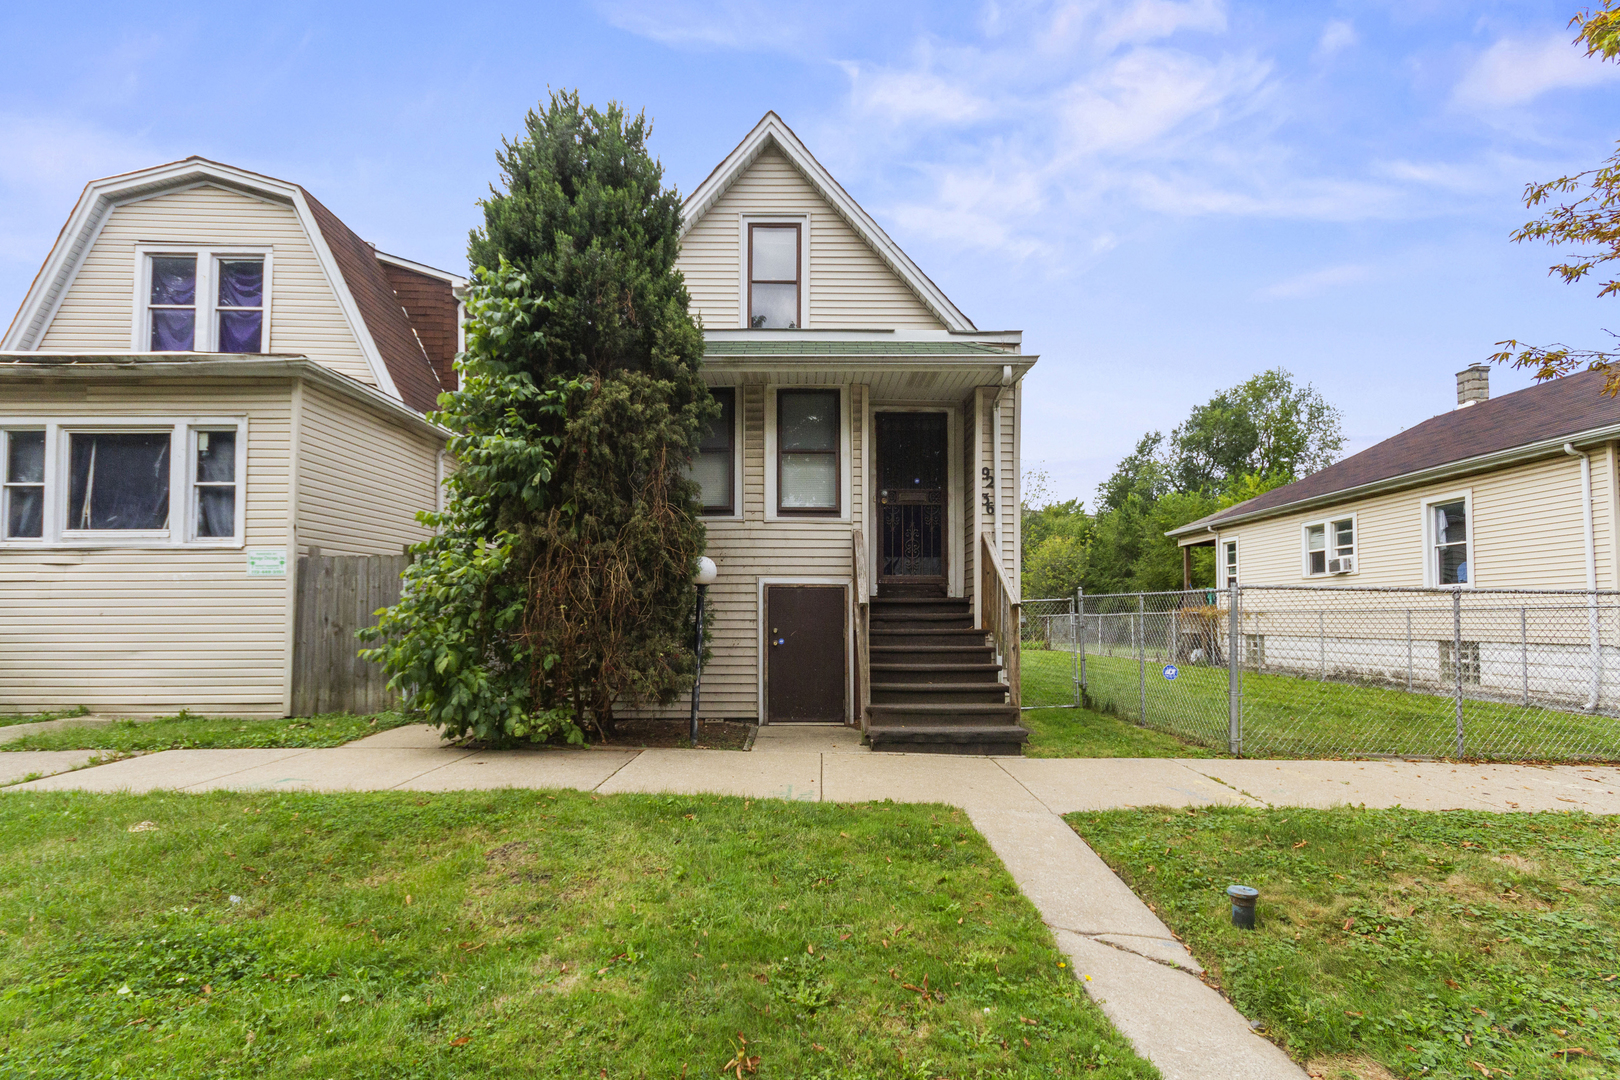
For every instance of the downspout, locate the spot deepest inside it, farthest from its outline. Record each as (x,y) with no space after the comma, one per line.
(1591,575)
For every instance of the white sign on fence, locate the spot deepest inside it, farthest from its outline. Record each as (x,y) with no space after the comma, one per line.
(267,562)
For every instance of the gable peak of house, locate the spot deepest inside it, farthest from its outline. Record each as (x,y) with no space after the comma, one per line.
(773,133)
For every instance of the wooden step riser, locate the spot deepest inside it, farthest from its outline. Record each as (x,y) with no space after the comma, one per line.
(925,674)
(992,694)
(935,622)
(887,639)
(933,654)
(990,715)
(932,607)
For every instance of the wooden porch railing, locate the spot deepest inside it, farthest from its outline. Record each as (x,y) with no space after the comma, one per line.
(863,662)
(998,614)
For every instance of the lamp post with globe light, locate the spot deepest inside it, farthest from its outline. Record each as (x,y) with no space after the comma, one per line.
(706,573)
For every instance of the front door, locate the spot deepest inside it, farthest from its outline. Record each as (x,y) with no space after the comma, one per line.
(805,676)
(911,475)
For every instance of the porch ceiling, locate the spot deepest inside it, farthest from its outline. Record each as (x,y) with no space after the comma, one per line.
(909,377)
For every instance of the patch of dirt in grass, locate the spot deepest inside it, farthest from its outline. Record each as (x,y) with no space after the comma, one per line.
(1347,1067)
(670,734)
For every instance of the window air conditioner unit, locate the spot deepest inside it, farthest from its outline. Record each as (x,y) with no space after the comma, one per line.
(1344,565)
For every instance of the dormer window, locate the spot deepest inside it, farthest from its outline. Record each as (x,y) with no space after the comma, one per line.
(204,301)
(774,258)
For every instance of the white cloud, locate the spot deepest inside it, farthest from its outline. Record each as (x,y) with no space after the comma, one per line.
(1153,20)
(1336,36)
(1149,93)
(899,97)
(1317,281)
(1516,71)
(720,24)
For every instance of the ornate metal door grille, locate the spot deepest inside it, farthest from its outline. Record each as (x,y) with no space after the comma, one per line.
(911,495)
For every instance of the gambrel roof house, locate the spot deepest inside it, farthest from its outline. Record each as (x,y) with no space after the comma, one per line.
(212,375)
(1514,492)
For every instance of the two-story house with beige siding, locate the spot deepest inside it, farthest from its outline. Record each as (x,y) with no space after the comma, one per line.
(861,489)
(1515,492)
(210,375)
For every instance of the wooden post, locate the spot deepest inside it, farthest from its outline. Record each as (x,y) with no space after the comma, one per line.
(1186,566)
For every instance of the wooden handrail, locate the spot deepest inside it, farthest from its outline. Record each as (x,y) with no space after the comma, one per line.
(863,653)
(999,614)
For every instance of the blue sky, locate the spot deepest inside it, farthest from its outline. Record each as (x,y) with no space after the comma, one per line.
(1165,196)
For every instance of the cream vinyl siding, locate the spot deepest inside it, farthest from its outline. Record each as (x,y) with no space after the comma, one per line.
(849,286)
(97,312)
(1527,532)
(752,548)
(153,631)
(361,478)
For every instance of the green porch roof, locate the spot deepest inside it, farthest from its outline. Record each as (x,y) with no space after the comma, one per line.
(850,348)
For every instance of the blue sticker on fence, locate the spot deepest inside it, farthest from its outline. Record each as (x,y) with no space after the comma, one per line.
(1170,672)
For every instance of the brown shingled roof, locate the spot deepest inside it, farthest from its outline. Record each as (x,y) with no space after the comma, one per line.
(430,303)
(1552,410)
(408,364)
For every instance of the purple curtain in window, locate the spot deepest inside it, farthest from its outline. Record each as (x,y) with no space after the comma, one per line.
(118,480)
(240,331)
(173,329)
(174,279)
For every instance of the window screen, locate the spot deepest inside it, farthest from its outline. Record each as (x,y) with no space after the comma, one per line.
(807,451)
(118,480)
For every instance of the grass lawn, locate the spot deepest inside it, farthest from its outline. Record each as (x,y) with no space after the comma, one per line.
(1434,944)
(1070,733)
(1287,716)
(9,719)
(518,933)
(186,732)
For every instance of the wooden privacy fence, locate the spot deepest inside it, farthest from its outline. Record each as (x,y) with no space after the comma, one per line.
(339,595)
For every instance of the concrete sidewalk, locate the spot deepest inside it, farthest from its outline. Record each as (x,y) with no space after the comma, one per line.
(1143,979)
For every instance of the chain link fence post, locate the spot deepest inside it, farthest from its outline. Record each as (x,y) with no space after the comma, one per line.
(1457,660)
(1080,602)
(1524,655)
(1234,695)
(1141,659)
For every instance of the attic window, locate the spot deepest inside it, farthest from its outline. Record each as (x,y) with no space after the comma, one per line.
(774,258)
(205,301)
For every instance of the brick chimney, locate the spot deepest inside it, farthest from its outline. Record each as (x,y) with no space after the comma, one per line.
(1473,384)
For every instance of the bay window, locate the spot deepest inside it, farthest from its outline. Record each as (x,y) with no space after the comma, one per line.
(138,483)
(807,440)
(204,300)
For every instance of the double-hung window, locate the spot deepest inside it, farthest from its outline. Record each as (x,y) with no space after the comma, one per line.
(1448,535)
(141,483)
(807,439)
(22,512)
(1230,555)
(715,465)
(1330,547)
(203,301)
(774,259)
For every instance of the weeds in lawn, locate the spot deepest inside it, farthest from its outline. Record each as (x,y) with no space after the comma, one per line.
(521,933)
(7,720)
(1438,944)
(188,731)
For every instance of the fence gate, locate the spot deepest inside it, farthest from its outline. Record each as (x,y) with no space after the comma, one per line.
(339,595)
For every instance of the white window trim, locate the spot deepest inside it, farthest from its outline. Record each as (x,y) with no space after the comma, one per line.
(1431,573)
(182,466)
(207,293)
(1327,541)
(1220,559)
(844,463)
(6,485)
(736,458)
(801,220)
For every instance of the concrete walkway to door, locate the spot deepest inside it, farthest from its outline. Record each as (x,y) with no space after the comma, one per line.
(1144,980)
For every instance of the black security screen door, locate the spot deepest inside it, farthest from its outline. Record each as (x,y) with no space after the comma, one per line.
(911,496)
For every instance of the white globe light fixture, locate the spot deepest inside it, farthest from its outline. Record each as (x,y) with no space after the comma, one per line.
(706,574)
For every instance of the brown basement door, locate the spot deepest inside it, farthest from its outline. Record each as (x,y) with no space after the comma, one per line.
(805,678)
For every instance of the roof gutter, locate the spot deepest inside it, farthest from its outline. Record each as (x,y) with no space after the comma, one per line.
(35,365)
(1511,456)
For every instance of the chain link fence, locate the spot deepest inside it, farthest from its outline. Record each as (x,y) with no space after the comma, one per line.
(1048,661)
(1284,671)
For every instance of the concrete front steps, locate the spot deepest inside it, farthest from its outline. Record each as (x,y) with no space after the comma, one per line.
(936,686)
